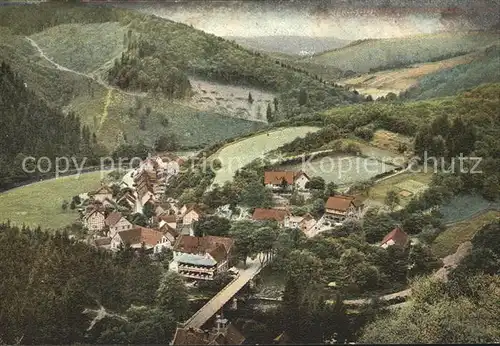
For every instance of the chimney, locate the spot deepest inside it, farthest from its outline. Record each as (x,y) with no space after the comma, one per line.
(220,323)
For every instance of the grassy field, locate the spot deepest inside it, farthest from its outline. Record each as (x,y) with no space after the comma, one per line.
(381,83)
(446,82)
(342,169)
(369,54)
(237,155)
(82,47)
(448,241)
(390,141)
(406,184)
(39,204)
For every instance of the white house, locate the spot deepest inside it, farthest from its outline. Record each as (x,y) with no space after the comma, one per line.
(294,180)
(94,220)
(170,220)
(304,223)
(189,213)
(117,223)
(201,257)
(138,236)
(338,208)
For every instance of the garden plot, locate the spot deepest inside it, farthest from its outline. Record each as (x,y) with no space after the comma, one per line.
(410,187)
(448,241)
(406,184)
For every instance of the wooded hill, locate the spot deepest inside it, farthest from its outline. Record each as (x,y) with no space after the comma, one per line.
(467,124)
(158,47)
(28,127)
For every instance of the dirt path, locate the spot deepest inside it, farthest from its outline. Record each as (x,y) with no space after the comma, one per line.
(104,116)
(94,78)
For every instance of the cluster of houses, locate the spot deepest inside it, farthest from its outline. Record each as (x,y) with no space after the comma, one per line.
(172,226)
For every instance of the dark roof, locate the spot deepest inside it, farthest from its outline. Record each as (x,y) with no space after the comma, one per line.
(192,336)
(219,246)
(189,336)
(93,209)
(399,237)
(104,189)
(139,235)
(261,214)
(233,336)
(102,241)
(341,203)
(113,218)
(168,229)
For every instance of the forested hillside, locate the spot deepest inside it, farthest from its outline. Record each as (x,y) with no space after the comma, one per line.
(30,128)
(459,78)
(161,54)
(48,281)
(375,55)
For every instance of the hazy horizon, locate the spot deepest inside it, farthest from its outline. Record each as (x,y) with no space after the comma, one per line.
(251,19)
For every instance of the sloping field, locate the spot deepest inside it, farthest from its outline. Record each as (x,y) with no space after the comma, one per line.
(448,241)
(390,53)
(230,100)
(39,204)
(82,47)
(381,83)
(109,113)
(239,154)
(342,169)
(192,127)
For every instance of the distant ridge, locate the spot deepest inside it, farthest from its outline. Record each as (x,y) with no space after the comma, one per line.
(292,45)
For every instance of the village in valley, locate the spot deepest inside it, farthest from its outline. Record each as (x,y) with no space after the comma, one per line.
(281,178)
(135,212)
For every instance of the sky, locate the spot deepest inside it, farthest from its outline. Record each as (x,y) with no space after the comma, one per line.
(344,19)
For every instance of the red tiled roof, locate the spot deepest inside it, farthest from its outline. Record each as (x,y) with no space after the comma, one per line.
(261,214)
(113,218)
(341,203)
(206,244)
(276,177)
(398,236)
(139,235)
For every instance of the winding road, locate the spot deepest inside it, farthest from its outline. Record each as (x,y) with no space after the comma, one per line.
(94,78)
